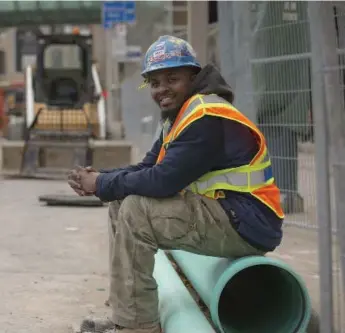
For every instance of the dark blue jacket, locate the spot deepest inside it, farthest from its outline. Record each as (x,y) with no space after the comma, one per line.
(202,147)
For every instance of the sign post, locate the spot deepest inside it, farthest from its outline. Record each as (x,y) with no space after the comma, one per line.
(115,16)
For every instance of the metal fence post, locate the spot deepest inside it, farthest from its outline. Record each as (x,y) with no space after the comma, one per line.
(226,42)
(235,52)
(244,98)
(322,167)
(334,91)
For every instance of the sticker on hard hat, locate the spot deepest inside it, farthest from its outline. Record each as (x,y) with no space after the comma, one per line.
(169,51)
(158,54)
(173,54)
(160,46)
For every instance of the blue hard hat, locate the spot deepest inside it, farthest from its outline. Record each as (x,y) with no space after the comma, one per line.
(169,52)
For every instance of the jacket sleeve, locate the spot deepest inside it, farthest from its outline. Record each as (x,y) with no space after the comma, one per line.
(148,161)
(193,153)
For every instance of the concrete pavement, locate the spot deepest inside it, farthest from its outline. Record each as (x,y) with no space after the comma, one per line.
(53,260)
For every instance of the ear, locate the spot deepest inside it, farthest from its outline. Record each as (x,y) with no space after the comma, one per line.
(192,77)
(194,73)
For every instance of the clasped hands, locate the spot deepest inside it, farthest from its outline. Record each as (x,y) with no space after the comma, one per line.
(83,180)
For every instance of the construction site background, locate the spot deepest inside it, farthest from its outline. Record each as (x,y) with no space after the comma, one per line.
(285,62)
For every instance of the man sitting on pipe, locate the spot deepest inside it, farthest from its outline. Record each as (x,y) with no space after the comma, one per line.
(206,186)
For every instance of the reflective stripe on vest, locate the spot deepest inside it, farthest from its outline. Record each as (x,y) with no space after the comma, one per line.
(255,178)
(245,180)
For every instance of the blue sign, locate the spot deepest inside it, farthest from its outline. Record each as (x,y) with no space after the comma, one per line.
(117,12)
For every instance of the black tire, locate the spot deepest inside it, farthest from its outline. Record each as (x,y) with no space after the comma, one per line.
(70,200)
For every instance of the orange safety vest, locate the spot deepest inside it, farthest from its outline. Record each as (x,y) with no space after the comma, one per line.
(255,178)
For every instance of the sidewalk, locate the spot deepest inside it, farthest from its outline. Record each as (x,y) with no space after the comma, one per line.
(53,261)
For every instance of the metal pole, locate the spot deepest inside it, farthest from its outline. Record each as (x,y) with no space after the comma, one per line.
(336,115)
(109,80)
(339,172)
(226,49)
(322,167)
(235,52)
(197,28)
(114,116)
(169,14)
(116,88)
(242,55)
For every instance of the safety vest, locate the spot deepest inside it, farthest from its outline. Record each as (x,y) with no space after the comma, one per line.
(255,178)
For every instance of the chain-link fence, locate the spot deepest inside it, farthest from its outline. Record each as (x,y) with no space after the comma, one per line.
(280,59)
(281,93)
(275,78)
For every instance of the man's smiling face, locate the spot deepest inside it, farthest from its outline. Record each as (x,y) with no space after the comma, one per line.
(170,87)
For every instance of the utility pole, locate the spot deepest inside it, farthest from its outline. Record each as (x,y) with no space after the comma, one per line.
(114,117)
(226,41)
(119,50)
(109,81)
(197,28)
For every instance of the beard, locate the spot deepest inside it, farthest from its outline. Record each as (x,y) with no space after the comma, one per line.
(170,114)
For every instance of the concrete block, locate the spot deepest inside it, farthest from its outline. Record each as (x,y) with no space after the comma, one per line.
(111,154)
(105,154)
(11,152)
(58,158)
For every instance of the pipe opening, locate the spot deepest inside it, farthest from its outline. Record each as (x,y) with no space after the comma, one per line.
(262,299)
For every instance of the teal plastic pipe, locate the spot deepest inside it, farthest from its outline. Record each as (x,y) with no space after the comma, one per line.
(178,311)
(249,295)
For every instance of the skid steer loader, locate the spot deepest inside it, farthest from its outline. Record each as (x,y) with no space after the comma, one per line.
(63,111)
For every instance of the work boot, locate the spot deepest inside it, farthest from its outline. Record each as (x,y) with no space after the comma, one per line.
(107,326)
(91,325)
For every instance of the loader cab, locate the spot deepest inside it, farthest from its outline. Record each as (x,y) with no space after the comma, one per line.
(63,77)
(62,109)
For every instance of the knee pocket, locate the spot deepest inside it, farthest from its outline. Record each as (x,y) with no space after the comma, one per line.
(170,220)
(176,221)
(174,229)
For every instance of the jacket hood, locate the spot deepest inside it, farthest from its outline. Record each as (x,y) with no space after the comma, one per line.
(210,81)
